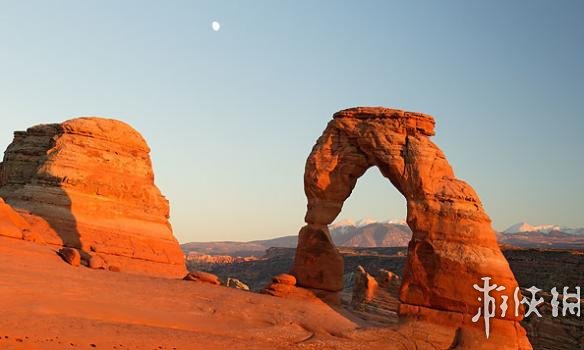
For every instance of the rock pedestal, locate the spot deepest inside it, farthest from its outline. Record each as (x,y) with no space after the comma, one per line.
(318,263)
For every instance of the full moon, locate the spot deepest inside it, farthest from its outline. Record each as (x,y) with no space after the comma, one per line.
(216,26)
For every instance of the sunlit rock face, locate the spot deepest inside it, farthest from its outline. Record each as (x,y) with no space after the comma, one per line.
(88,183)
(453,244)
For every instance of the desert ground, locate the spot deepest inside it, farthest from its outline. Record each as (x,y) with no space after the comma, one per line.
(48,304)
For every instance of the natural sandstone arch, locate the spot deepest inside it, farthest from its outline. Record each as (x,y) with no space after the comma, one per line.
(453,245)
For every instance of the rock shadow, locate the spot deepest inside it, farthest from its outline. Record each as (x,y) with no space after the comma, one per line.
(27,185)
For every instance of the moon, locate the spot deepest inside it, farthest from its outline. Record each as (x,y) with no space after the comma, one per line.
(215,26)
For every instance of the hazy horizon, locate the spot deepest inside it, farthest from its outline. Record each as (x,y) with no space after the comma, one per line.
(231,115)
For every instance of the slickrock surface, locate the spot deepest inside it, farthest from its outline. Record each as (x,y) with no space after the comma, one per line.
(58,305)
(453,244)
(87,183)
(70,255)
(64,305)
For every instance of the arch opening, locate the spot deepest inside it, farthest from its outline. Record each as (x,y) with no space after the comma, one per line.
(374,199)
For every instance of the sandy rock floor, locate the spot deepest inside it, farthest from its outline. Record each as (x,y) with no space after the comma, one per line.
(47,304)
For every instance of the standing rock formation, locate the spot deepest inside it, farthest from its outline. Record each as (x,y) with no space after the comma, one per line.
(284,286)
(365,287)
(88,184)
(453,245)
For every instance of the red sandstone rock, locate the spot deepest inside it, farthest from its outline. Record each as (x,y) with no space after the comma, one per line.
(318,264)
(284,278)
(11,223)
(365,287)
(97,262)
(288,291)
(70,256)
(453,244)
(200,276)
(87,183)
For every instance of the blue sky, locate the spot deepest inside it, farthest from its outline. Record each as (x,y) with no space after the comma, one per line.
(232,115)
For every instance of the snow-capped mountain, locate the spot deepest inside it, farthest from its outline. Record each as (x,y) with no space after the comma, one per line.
(523,227)
(543,236)
(371,233)
(347,233)
(365,222)
(395,233)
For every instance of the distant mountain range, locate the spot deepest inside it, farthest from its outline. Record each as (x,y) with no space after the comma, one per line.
(369,233)
(363,233)
(523,227)
(543,236)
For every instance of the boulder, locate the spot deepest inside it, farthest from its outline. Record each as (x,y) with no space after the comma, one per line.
(201,276)
(88,183)
(70,256)
(284,278)
(237,284)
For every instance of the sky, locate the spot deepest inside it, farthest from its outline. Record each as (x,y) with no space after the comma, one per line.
(232,115)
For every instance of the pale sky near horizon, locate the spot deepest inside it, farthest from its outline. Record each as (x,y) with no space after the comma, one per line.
(232,115)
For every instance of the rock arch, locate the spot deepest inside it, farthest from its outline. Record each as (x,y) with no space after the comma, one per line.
(453,245)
